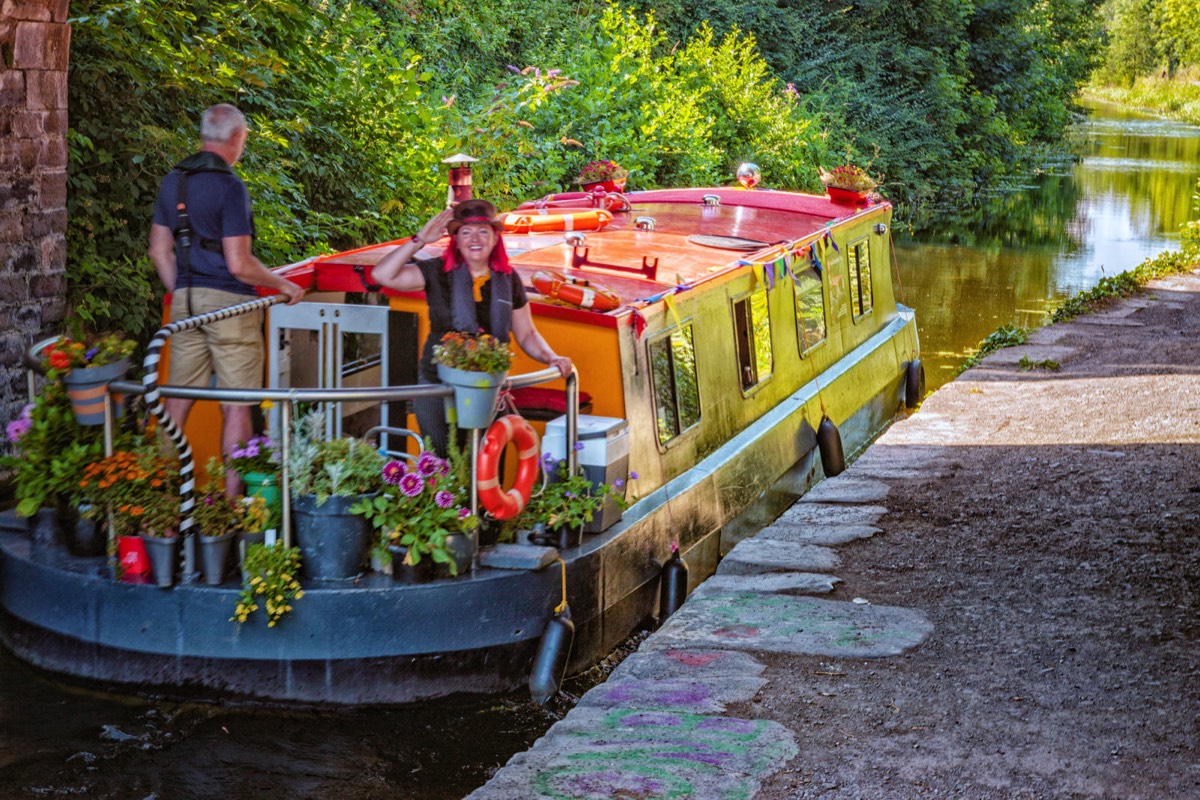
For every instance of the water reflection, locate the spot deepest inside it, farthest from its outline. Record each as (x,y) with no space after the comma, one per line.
(1015,258)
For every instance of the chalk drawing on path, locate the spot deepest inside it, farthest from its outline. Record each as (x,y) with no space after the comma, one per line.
(786,624)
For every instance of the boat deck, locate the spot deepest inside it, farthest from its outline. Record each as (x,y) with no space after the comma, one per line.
(616,255)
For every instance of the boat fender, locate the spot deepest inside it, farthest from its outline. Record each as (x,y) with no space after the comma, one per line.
(550,662)
(673,584)
(829,441)
(584,294)
(914,384)
(500,503)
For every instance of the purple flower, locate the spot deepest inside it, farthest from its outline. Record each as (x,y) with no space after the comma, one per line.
(392,472)
(90,354)
(443,499)
(251,450)
(428,464)
(239,452)
(463,513)
(618,483)
(18,428)
(511,68)
(633,476)
(569,495)
(578,446)
(548,460)
(411,484)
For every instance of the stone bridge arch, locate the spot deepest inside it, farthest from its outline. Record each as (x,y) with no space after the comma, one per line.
(34,43)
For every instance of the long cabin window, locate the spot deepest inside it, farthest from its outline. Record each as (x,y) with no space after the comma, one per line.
(858,262)
(809,294)
(676,393)
(752,335)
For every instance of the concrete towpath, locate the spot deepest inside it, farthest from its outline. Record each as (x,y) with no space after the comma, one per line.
(997,600)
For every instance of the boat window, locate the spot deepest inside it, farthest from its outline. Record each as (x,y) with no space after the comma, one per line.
(676,394)
(752,335)
(858,262)
(810,306)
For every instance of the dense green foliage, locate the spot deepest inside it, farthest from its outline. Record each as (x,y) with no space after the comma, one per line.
(339,138)
(1150,37)
(946,92)
(353,103)
(1179,99)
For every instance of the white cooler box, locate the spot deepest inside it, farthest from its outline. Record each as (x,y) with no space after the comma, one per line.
(604,457)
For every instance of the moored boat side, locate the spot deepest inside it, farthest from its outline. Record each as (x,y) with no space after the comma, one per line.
(722,362)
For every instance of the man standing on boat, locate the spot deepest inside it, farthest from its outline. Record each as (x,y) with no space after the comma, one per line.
(201,245)
(471,289)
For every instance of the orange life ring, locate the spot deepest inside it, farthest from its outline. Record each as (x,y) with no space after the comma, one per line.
(584,294)
(510,428)
(538,220)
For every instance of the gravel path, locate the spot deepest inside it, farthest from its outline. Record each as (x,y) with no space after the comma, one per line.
(998,600)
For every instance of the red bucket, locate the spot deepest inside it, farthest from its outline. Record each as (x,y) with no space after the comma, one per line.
(131,552)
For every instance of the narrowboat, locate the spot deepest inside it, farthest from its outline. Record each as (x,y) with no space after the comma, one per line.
(713,330)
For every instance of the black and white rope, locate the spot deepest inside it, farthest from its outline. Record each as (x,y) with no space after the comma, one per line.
(187,467)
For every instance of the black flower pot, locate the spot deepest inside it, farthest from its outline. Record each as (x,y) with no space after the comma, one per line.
(569,537)
(85,537)
(214,556)
(163,552)
(409,573)
(333,542)
(461,551)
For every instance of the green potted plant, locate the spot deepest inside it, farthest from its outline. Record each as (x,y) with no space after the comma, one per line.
(269,574)
(257,461)
(607,175)
(86,369)
(566,504)
(137,491)
(420,519)
(49,453)
(327,477)
(476,366)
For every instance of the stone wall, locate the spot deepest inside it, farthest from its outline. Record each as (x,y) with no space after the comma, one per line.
(34,41)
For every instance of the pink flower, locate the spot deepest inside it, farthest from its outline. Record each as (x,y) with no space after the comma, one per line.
(411,484)
(428,464)
(463,513)
(392,472)
(443,499)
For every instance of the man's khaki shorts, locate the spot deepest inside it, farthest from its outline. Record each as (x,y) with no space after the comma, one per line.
(233,348)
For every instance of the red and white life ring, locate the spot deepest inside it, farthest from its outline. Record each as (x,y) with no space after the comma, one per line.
(540,220)
(584,294)
(500,503)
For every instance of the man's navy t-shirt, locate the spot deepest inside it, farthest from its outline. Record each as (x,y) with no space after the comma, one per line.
(219,206)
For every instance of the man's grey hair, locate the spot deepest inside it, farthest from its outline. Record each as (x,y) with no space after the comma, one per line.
(220,123)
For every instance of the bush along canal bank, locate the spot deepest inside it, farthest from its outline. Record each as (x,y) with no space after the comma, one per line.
(998,599)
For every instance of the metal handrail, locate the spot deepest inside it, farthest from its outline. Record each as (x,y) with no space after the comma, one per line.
(153,392)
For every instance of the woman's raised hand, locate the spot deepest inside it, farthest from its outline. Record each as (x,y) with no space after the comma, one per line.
(434,229)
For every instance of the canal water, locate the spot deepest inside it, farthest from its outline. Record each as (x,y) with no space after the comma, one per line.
(1008,262)
(1018,256)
